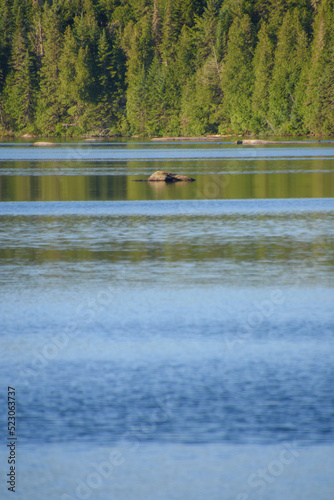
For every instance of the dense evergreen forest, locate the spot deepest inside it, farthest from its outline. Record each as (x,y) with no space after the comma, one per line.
(166,67)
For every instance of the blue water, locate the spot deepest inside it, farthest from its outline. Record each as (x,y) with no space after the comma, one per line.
(161,152)
(169,349)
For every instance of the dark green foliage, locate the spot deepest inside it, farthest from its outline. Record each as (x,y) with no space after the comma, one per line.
(5,39)
(157,67)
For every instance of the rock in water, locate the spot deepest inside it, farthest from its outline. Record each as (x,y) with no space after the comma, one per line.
(160,175)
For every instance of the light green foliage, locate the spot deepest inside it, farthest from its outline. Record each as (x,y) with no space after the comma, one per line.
(155,102)
(201,111)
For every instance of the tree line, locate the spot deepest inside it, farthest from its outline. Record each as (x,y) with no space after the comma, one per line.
(166,67)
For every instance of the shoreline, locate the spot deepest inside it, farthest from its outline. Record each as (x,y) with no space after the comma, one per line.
(237,139)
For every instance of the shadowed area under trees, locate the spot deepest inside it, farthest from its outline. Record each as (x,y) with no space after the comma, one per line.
(166,67)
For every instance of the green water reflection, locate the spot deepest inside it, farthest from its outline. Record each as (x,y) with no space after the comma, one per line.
(122,187)
(232,179)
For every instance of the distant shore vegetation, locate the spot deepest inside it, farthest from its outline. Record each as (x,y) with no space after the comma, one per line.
(166,67)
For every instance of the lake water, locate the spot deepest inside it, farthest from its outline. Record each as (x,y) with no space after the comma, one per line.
(168,342)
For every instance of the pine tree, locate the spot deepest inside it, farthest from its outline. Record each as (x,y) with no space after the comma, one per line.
(5,40)
(110,77)
(290,55)
(201,111)
(73,80)
(49,109)
(139,46)
(169,34)
(319,103)
(202,94)
(5,46)
(136,106)
(87,35)
(277,9)
(263,64)
(207,34)
(19,91)
(155,99)
(237,76)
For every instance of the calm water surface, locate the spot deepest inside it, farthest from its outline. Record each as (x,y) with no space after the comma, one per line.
(168,342)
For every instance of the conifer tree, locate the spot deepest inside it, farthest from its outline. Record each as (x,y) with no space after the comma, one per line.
(201,111)
(206,31)
(49,109)
(319,102)
(263,64)
(276,11)
(73,80)
(169,33)
(155,102)
(110,79)
(290,56)
(5,40)
(19,91)
(237,75)
(136,106)
(87,35)
(202,95)
(5,44)
(139,46)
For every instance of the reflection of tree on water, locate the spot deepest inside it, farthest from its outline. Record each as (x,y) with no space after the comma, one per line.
(215,179)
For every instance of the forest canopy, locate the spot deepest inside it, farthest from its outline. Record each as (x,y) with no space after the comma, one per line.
(166,67)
